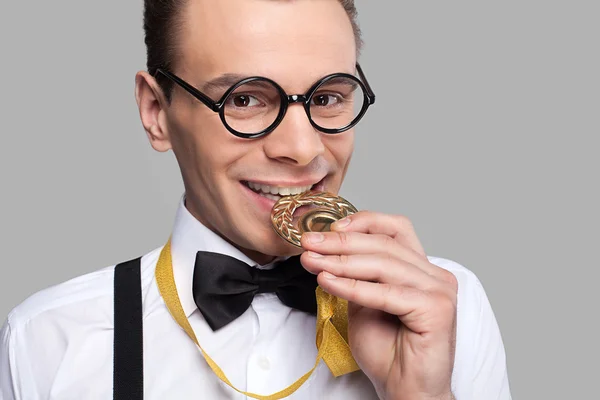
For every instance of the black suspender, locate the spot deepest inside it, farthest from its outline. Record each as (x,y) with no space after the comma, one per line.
(128,372)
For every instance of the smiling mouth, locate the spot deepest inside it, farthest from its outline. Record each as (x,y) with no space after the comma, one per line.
(277,192)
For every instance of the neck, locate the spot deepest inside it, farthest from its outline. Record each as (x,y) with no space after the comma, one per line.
(257,257)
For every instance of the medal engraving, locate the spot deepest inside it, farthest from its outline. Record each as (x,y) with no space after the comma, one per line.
(326,209)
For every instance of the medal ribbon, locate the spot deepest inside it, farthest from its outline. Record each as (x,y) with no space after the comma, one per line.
(331,336)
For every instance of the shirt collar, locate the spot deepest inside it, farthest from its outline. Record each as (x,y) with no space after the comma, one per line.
(190,236)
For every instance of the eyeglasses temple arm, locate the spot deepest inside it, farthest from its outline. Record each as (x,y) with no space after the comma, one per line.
(190,89)
(370,93)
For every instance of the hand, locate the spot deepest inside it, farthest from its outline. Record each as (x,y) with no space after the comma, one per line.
(402,308)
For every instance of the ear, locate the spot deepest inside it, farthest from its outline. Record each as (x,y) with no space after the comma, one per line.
(153,106)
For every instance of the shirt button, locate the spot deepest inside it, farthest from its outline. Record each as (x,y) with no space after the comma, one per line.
(263,363)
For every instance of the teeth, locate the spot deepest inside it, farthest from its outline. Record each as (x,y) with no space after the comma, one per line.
(274,190)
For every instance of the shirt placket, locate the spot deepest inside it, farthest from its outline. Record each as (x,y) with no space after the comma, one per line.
(261,376)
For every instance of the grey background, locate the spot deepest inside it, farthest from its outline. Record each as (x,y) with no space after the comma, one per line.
(484,133)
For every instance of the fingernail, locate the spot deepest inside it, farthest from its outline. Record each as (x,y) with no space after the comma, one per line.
(327,275)
(315,237)
(312,254)
(342,223)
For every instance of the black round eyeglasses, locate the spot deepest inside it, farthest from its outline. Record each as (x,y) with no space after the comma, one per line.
(255,106)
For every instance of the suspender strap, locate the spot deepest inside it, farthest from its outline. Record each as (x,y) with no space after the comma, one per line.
(128,372)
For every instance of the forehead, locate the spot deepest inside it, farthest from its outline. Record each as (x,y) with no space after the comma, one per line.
(294,42)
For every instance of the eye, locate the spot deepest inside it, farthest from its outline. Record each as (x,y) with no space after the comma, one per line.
(324,100)
(244,100)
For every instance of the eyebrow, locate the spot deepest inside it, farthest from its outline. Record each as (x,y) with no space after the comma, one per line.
(225,81)
(222,82)
(343,81)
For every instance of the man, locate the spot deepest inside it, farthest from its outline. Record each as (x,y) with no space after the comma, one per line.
(419,328)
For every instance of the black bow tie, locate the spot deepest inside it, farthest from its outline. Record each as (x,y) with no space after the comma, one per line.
(224,287)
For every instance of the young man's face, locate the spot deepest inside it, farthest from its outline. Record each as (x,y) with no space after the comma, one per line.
(294,43)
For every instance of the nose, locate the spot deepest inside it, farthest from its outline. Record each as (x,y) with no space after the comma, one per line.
(295,141)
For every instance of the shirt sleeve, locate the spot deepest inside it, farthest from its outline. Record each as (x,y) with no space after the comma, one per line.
(490,378)
(7,365)
(16,377)
(480,371)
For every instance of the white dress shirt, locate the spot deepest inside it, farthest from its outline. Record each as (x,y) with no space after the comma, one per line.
(58,344)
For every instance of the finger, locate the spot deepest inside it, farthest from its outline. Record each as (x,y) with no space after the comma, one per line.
(408,303)
(374,243)
(369,267)
(396,226)
(349,242)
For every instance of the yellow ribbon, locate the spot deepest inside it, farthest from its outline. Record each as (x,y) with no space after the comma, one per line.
(331,338)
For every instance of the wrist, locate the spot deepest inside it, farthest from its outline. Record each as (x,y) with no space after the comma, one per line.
(448,396)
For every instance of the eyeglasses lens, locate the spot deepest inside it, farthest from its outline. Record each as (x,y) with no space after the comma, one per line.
(252,107)
(337,103)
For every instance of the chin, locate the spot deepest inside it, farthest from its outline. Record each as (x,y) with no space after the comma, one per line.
(280,247)
(286,249)
(273,245)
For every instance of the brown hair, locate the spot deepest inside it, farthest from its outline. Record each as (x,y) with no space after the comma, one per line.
(162,23)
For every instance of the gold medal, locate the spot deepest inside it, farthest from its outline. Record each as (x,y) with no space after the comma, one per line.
(326,208)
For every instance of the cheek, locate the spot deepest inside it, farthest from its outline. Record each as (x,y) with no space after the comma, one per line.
(202,145)
(341,147)
(199,129)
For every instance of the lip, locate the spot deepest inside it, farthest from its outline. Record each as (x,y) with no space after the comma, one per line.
(266,204)
(304,182)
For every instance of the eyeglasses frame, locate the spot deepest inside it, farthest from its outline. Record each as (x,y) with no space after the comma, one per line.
(286,100)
